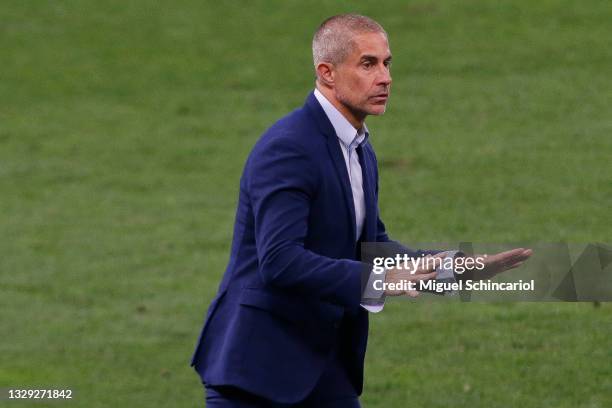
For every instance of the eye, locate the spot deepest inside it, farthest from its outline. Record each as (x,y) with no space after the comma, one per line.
(367,64)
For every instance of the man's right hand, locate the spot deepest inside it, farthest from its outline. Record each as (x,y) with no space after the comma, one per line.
(425,271)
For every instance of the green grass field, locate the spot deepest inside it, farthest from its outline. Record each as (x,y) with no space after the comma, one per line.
(124,127)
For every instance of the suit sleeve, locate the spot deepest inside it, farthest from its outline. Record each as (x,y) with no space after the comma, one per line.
(281,182)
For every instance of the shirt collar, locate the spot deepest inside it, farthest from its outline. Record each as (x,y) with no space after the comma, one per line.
(348,135)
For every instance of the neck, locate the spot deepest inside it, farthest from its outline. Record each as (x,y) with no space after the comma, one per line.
(354,118)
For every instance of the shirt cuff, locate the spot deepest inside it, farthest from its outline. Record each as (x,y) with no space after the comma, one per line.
(372,299)
(445,274)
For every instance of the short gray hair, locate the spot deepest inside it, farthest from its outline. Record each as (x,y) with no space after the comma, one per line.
(333,40)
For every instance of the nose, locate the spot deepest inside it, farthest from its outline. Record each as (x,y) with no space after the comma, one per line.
(384,78)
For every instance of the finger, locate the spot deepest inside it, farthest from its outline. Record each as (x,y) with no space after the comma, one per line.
(506,254)
(426,268)
(412,293)
(425,265)
(515,265)
(424,276)
(524,254)
(431,263)
(517,258)
(510,257)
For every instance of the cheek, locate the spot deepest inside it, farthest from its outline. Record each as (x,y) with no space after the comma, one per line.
(349,90)
(358,87)
(364,84)
(354,88)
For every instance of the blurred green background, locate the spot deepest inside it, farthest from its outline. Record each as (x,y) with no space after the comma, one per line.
(124,126)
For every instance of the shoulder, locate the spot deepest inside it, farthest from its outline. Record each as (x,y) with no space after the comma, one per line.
(289,149)
(295,134)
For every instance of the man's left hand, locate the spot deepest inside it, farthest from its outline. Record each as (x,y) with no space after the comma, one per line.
(500,262)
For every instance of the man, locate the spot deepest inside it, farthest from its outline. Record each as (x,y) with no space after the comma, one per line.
(289,324)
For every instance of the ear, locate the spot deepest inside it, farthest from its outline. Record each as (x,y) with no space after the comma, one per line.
(326,73)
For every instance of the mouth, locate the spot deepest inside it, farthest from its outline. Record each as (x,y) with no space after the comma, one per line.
(380,97)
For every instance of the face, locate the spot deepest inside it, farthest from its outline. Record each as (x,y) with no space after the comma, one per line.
(363,80)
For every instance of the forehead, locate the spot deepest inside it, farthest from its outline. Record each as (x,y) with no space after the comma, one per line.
(374,44)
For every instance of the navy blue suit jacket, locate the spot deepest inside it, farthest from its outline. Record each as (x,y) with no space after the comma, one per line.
(292,289)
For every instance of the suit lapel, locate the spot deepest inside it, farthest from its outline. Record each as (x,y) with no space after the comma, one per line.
(333,147)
